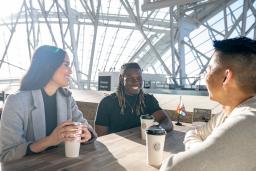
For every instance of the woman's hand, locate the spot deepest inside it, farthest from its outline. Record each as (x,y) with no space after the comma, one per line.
(66,131)
(86,134)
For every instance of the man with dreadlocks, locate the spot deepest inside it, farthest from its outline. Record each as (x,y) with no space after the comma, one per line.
(121,110)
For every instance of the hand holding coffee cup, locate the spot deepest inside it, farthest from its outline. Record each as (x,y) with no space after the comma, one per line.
(146,121)
(63,132)
(72,146)
(86,134)
(155,139)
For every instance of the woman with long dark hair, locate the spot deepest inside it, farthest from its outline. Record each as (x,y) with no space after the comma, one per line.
(42,114)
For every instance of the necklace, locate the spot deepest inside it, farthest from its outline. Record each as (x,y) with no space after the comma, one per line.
(131,106)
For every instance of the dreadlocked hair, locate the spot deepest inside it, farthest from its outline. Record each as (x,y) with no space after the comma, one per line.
(120,93)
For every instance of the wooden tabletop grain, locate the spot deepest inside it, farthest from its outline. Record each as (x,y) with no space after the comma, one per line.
(114,152)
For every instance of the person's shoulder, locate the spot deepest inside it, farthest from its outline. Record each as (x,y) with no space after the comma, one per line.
(108,99)
(149,96)
(111,96)
(19,96)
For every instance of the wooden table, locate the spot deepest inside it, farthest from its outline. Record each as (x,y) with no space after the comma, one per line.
(114,152)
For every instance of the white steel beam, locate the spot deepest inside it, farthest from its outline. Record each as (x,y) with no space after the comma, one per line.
(157,4)
(133,17)
(245,9)
(93,43)
(12,33)
(73,37)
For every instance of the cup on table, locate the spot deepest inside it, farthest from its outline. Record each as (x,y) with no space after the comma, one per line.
(155,139)
(72,148)
(146,121)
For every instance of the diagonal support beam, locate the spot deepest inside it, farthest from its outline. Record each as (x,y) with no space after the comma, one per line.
(12,33)
(93,44)
(133,17)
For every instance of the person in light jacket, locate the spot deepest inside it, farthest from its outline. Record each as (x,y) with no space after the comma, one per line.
(227,141)
(42,114)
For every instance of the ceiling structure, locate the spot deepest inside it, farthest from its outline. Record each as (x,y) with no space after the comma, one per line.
(171,37)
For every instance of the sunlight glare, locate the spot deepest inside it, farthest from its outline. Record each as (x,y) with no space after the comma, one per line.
(9,8)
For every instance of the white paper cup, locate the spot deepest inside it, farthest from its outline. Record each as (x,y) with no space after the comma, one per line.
(72,148)
(146,121)
(155,139)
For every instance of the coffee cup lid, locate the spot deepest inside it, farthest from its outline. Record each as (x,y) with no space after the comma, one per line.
(147,116)
(156,130)
(77,123)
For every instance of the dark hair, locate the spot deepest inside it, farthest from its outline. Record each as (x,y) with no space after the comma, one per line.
(239,45)
(239,54)
(45,62)
(140,103)
(131,65)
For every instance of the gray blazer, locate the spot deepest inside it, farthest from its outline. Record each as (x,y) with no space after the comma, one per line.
(23,121)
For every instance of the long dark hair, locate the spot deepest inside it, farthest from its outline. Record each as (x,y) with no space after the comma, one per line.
(46,60)
(120,93)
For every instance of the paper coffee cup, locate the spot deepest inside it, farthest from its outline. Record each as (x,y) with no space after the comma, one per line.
(146,121)
(155,139)
(72,148)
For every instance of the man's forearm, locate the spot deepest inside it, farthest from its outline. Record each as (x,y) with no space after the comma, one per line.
(166,124)
(163,119)
(191,139)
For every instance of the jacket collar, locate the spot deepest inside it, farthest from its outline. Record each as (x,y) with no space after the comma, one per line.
(38,114)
